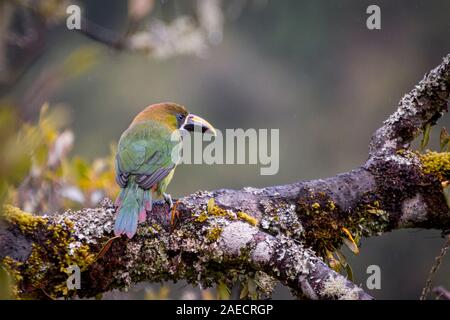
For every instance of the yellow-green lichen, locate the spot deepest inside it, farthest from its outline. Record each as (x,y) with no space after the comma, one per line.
(11,267)
(315,205)
(202,217)
(55,259)
(25,221)
(374,208)
(210,204)
(437,164)
(152,229)
(327,226)
(247,218)
(214,234)
(50,257)
(219,212)
(80,256)
(331,205)
(214,211)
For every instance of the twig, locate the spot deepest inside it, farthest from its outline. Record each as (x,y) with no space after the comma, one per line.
(434,269)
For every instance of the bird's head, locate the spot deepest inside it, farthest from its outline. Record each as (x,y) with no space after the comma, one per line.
(175,116)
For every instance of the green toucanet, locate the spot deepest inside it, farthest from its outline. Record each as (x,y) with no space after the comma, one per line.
(145,161)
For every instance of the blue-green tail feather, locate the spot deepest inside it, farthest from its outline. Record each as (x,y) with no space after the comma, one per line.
(130,208)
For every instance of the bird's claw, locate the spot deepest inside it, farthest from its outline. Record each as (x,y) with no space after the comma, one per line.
(168,199)
(172,206)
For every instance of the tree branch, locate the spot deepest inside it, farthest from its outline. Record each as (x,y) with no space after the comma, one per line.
(424,105)
(279,232)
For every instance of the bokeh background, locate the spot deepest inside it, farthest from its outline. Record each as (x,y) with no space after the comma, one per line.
(311,69)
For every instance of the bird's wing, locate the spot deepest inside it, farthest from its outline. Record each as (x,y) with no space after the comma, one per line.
(146,181)
(146,153)
(121,176)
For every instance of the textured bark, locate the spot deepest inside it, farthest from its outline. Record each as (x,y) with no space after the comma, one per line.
(279,232)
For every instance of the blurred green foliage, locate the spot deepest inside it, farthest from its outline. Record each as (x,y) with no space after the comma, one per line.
(40,176)
(6,284)
(14,162)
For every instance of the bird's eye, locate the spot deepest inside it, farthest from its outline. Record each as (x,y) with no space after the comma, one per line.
(180,117)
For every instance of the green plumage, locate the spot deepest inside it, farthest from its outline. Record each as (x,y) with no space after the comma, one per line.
(145,147)
(147,155)
(144,165)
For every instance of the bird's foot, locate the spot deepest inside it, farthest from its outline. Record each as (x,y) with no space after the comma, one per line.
(173,208)
(168,199)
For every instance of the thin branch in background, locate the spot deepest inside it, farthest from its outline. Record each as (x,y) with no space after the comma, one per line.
(186,34)
(101,34)
(22,37)
(434,269)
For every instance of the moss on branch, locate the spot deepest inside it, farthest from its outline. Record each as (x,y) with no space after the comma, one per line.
(437,164)
(45,269)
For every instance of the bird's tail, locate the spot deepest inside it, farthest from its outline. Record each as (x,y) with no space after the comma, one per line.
(132,204)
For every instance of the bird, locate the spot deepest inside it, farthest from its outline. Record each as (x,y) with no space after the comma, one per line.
(145,161)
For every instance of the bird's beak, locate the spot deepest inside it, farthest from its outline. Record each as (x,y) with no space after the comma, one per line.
(193,121)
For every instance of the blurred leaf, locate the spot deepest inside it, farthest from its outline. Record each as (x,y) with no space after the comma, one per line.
(62,145)
(350,242)
(425,137)
(341,258)
(51,121)
(80,61)
(40,155)
(252,288)
(444,139)
(81,168)
(6,284)
(210,205)
(223,291)
(244,291)
(349,271)
(334,263)
(345,264)
(36,172)
(161,294)
(15,161)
